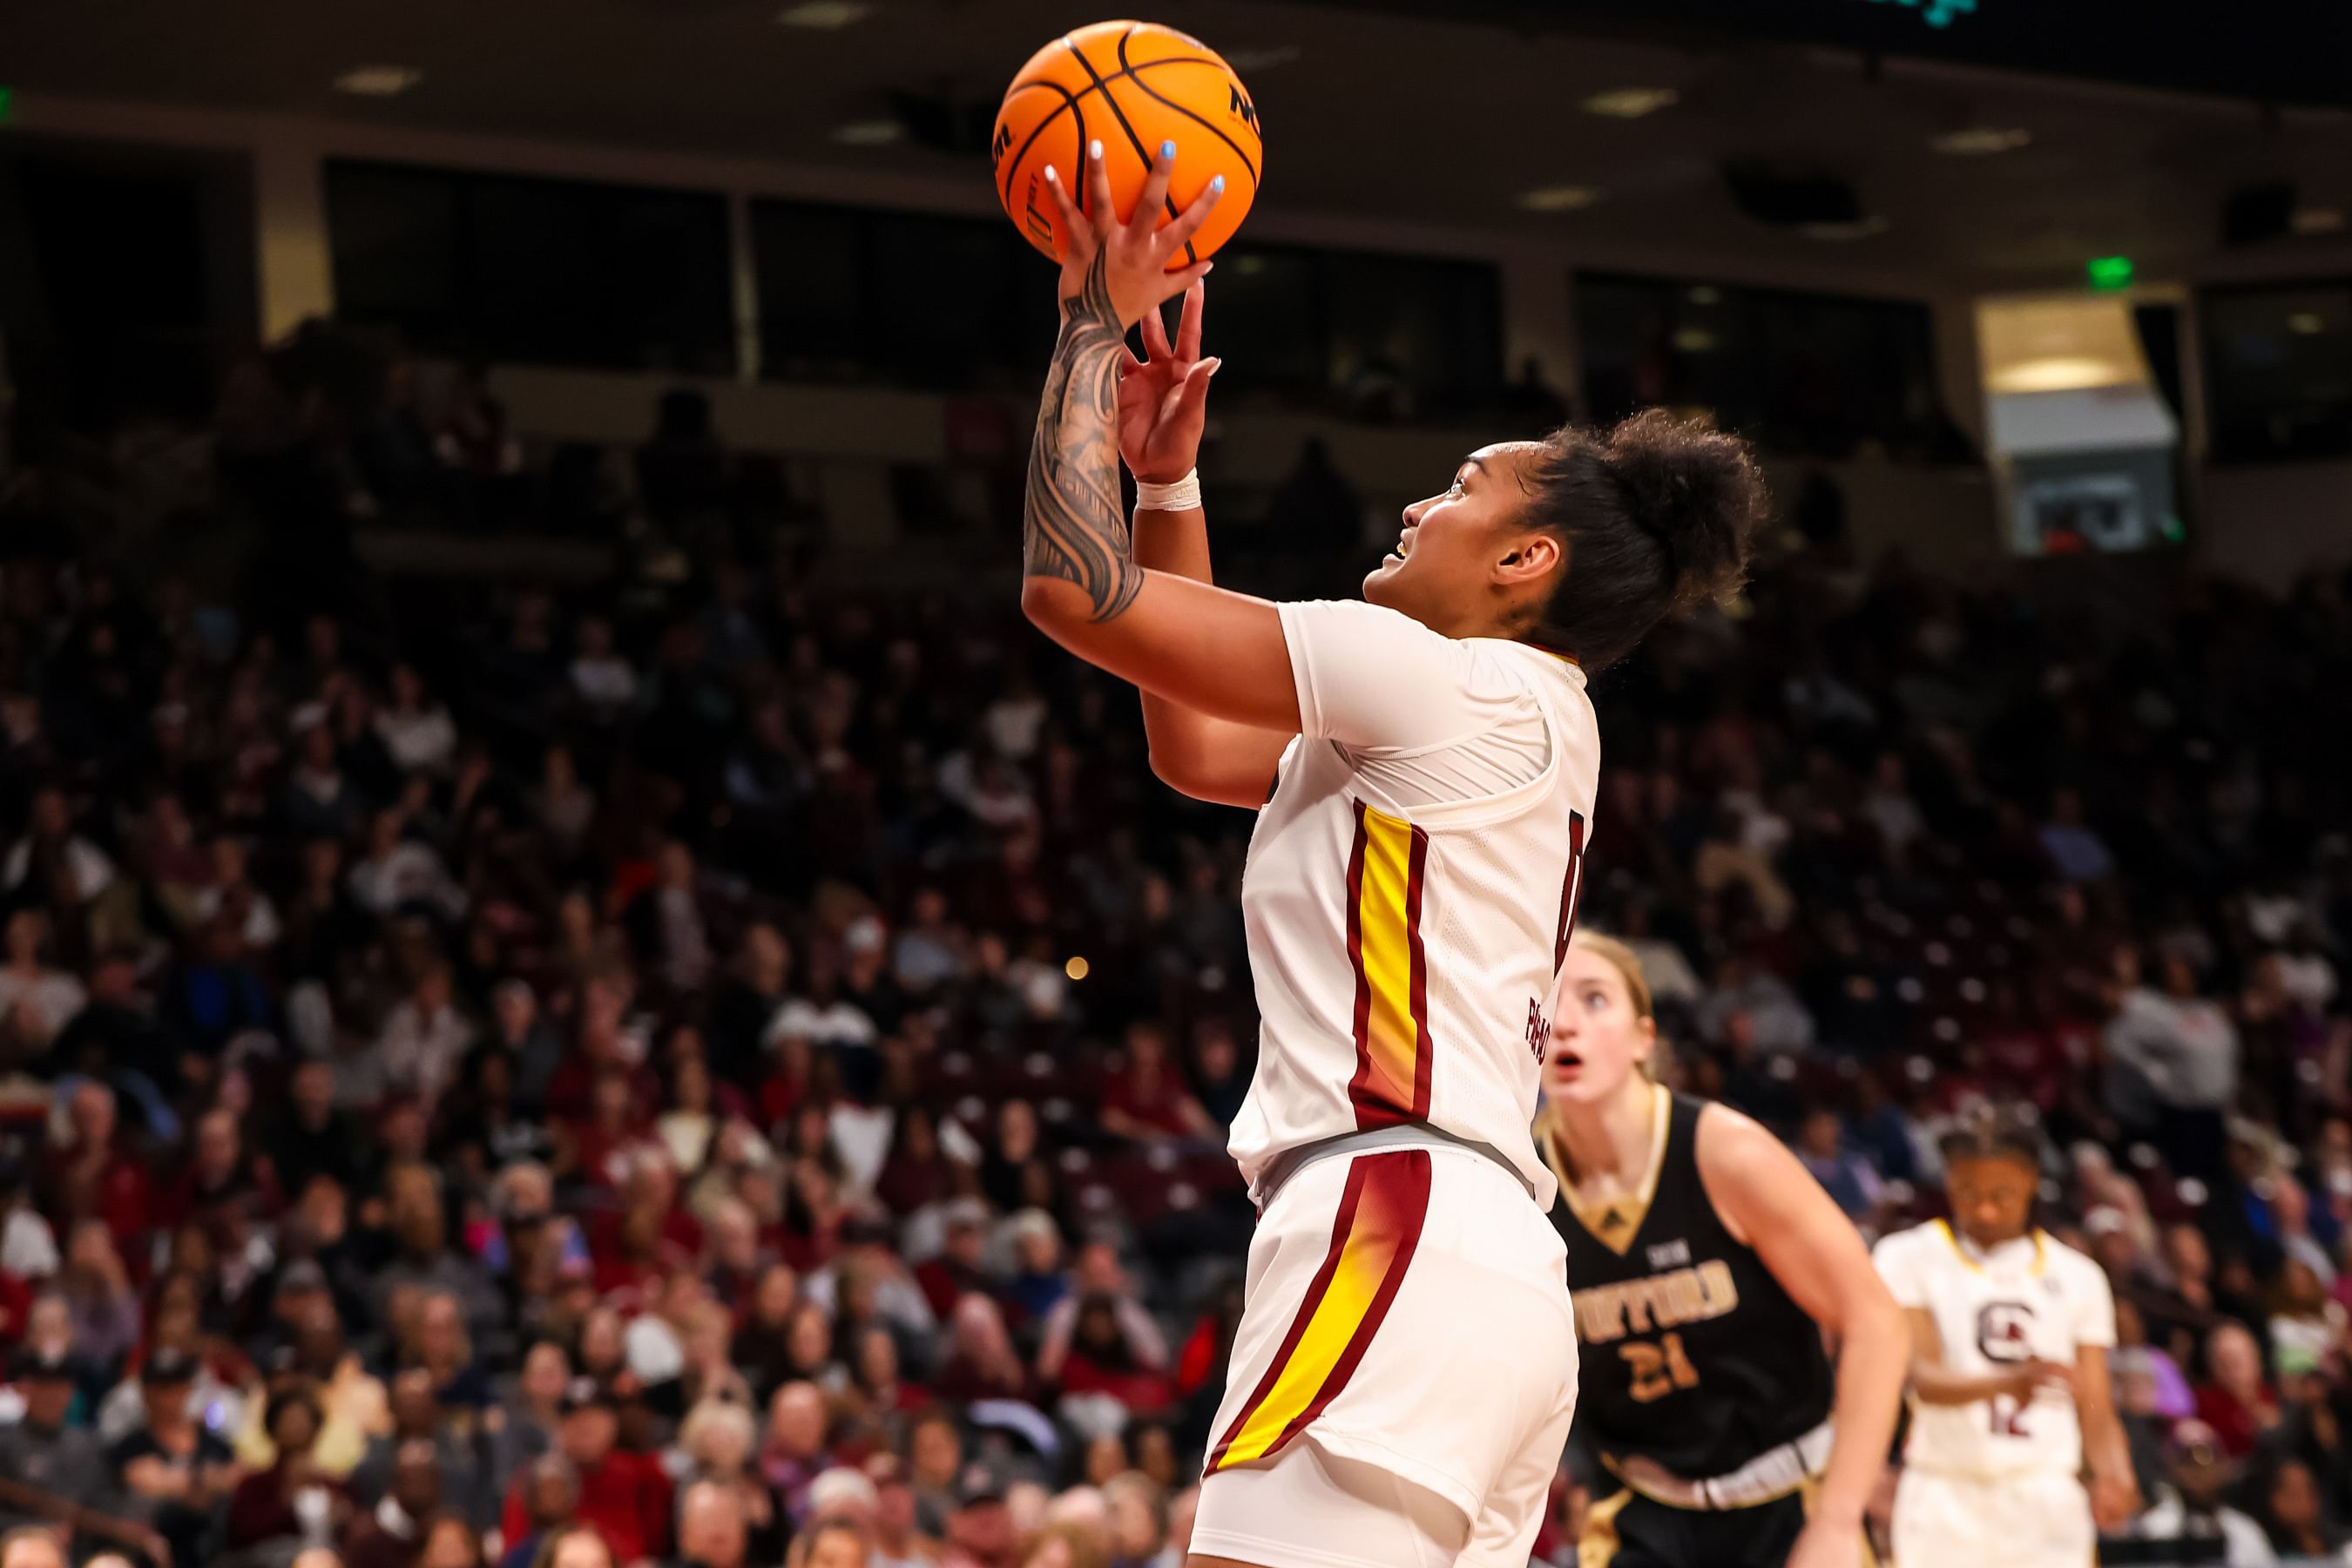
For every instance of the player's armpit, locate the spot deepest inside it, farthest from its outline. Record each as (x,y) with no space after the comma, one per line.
(1213,759)
(1214,650)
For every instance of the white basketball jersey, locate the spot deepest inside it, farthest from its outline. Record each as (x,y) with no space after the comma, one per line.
(2028,1299)
(1411,883)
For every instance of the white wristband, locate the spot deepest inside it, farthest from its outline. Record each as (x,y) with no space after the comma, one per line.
(1184,495)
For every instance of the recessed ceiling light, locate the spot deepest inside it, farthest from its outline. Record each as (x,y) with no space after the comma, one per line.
(1632,102)
(1859,228)
(1706,294)
(1559,198)
(868,132)
(1981,141)
(379,81)
(1263,59)
(2318,220)
(2306,324)
(1694,340)
(825,15)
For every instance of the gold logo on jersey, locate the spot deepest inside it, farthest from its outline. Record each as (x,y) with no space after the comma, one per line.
(1607,1313)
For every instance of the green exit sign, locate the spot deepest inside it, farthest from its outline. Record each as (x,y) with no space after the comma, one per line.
(7,104)
(2110,271)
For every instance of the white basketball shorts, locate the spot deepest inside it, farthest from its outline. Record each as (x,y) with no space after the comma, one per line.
(1406,1321)
(2033,1519)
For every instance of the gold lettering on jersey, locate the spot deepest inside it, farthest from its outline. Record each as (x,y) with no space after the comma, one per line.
(1606,1312)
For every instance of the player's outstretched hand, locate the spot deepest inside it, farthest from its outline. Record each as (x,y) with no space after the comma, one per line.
(1825,1545)
(1135,250)
(1163,398)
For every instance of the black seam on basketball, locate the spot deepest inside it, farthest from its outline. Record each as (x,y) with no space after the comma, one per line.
(1070,103)
(1127,69)
(1213,129)
(1121,115)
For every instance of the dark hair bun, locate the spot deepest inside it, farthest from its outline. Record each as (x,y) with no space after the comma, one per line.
(1697,491)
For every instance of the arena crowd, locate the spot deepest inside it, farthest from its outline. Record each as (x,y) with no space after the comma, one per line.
(734,1070)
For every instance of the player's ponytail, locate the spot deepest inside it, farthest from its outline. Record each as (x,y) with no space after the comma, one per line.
(1658,515)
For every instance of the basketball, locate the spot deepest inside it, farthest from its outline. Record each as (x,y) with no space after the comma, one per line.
(1132,86)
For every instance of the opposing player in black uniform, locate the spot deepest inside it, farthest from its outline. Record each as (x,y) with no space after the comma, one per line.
(1706,1265)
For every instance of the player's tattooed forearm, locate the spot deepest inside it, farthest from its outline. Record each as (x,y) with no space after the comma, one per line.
(1074,528)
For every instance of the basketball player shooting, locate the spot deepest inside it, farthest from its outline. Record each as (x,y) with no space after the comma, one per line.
(1404,1372)
(2010,1332)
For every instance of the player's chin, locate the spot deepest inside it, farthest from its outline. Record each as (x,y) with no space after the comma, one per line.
(1380,583)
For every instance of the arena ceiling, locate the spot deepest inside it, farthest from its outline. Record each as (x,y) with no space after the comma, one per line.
(1384,111)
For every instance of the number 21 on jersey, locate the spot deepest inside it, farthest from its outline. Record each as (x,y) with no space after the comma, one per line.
(1658,1369)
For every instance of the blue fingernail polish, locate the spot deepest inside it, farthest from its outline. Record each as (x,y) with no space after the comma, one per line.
(1168,150)
(1218,185)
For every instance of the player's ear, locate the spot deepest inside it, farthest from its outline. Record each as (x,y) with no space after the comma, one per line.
(1645,1047)
(1529,558)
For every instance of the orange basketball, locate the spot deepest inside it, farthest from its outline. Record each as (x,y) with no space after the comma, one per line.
(1132,86)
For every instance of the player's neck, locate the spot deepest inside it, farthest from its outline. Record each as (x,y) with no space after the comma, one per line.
(1609,1138)
(1987,1248)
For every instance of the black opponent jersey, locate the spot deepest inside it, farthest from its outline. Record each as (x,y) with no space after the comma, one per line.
(1691,1355)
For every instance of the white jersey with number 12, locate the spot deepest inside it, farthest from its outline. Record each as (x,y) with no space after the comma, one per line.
(2032,1299)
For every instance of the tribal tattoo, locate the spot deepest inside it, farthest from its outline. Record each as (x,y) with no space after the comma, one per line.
(1075,528)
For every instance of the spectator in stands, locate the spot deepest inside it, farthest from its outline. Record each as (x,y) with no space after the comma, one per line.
(2234,1401)
(31,985)
(1099,1282)
(1842,1173)
(2076,850)
(711,1530)
(836,1543)
(2179,1050)
(2289,1507)
(42,1448)
(424,1261)
(290,1500)
(317,800)
(715,1448)
(1138,1512)
(401,874)
(794,1453)
(2189,1506)
(549,1489)
(424,1038)
(392,1533)
(414,729)
(665,923)
(53,862)
(623,1492)
(97,1291)
(32,1546)
(1144,1100)
(417,1417)
(173,1472)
